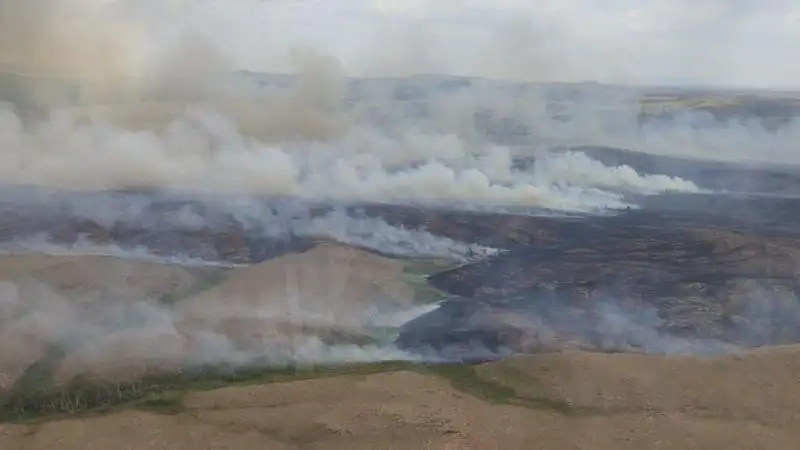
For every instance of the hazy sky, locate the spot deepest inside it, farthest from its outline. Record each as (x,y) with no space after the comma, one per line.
(752,42)
(747,42)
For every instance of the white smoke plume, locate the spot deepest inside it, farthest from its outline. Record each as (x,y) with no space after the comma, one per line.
(376,234)
(174,115)
(367,233)
(177,230)
(85,247)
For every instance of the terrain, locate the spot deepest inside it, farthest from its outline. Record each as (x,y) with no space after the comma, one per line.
(137,348)
(544,401)
(157,317)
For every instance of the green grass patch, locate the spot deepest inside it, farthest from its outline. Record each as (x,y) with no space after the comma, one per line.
(428,266)
(424,293)
(39,375)
(164,394)
(160,393)
(466,379)
(416,273)
(656,105)
(207,280)
(170,402)
(34,397)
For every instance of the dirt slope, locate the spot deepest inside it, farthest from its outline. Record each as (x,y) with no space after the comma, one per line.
(45,298)
(119,319)
(558,401)
(96,276)
(276,306)
(327,286)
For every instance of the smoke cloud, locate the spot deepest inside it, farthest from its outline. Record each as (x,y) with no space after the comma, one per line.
(177,115)
(459,331)
(126,94)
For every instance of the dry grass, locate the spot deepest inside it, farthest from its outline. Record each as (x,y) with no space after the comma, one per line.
(330,285)
(756,386)
(80,277)
(40,295)
(568,400)
(327,293)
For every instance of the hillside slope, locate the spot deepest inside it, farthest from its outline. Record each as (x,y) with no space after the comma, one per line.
(556,401)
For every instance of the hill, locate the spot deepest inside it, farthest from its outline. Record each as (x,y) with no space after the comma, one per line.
(65,318)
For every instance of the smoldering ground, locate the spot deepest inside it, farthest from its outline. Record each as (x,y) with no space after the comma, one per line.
(204,230)
(491,328)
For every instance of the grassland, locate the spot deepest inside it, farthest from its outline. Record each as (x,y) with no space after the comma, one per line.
(73,374)
(561,400)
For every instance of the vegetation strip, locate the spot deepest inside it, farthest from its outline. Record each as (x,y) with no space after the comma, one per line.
(164,394)
(466,378)
(161,393)
(205,282)
(33,395)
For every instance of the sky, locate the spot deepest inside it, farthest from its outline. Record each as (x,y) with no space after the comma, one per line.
(741,42)
(753,43)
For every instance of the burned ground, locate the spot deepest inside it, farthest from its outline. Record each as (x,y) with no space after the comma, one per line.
(684,274)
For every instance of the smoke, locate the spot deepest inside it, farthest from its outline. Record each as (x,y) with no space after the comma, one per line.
(145,94)
(203,150)
(366,233)
(180,117)
(71,40)
(611,327)
(191,230)
(341,306)
(459,331)
(85,247)
(376,234)
(124,337)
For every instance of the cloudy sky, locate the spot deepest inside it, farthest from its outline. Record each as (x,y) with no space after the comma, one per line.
(740,42)
(747,42)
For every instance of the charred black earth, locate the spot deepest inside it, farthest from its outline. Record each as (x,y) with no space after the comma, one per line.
(683,274)
(655,281)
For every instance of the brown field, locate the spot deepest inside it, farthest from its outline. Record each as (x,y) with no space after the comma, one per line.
(39,294)
(556,401)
